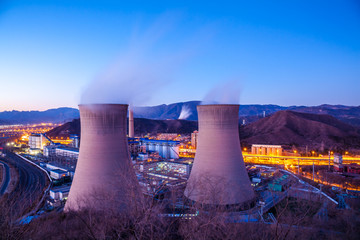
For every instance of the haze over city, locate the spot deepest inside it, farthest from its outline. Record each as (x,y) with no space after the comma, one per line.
(285,53)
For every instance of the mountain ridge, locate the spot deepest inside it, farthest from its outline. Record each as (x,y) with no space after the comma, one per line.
(287,128)
(185,110)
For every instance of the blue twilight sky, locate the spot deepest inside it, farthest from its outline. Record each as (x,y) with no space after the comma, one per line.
(61,53)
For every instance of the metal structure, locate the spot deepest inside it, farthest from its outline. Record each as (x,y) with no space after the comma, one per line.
(104,178)
(219,176)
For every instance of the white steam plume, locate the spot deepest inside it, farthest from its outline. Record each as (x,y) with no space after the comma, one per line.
(185,112)
(138,73)
(224,93)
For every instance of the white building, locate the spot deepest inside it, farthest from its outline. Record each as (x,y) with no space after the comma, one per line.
(263,149)
(61,151)
(58,173)
(58,195)
(37,141)
(67,152)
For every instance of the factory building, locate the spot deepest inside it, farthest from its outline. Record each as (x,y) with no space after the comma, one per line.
(61,151)
(49,150)
(58,195)
(75,140)
(37,141)
(104,178)
(169,168)
(346,168)
(338,163)
(259,149)
(218,176)
(194,139)
(167,149)
(58,173)
(68,152)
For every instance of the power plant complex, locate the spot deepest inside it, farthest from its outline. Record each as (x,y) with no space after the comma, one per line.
(104,176)
(219,176)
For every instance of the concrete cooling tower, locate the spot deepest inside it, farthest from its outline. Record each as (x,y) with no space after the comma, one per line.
(104,178)
(219,176)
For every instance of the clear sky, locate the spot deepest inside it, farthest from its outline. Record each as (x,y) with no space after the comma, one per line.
(277,52)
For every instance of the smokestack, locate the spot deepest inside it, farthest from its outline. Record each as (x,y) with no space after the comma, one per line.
(104,178)
(131,123)
(219,176)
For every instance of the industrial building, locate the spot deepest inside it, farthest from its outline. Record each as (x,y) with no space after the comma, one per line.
(167,149)
(219,176)
(75,140)
(194,139)
(37,141)
(179,169)
(58,195)
(260,149)
(61,151)
(58,173)
(345,168)
(104,178)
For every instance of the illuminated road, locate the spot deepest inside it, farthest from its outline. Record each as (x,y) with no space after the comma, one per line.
(294,160)
(31,186)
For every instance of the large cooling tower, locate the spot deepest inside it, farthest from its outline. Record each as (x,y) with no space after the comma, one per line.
(104,178)
(219,176)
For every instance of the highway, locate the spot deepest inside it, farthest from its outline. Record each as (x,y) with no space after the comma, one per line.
(30,188)
(6,178)
(294,160)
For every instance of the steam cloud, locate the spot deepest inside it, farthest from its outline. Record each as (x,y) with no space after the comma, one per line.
(224,93)
(136,74)
(185,112)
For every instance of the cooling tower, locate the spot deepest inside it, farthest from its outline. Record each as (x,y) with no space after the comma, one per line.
(104,178)
(131,123)
(219,176)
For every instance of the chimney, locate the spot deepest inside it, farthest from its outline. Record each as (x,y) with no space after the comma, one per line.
(131,123)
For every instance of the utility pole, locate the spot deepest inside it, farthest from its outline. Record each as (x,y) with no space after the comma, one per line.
(329,160)
(298,166)
(313,170)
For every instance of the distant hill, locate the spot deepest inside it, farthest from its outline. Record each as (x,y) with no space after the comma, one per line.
(185,111)
(66,129)
(348,114)
(171,111)
(317,131)
(142,126)
(59,115)
(249,113)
